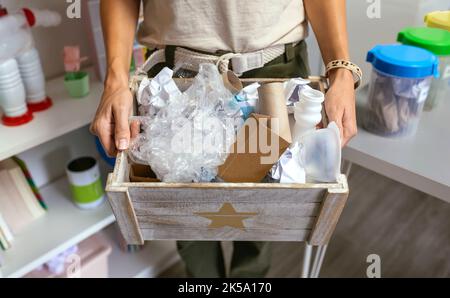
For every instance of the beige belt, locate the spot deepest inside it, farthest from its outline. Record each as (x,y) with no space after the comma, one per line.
(240,62)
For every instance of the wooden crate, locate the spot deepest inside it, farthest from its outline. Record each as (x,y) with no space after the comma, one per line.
(224,211)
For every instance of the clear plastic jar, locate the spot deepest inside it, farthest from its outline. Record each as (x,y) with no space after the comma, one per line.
(440,87)
(437,41)
(395,104)
(400,83)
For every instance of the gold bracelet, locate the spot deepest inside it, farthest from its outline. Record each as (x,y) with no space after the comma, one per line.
(356,71)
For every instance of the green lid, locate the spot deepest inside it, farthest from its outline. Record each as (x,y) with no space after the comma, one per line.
(435,40)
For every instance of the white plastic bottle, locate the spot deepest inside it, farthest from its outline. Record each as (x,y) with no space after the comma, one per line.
(33,79)
(12,95)
(307,112)
(17,42)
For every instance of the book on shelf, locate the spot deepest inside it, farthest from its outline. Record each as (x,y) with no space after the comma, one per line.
(5,234)
(30,181)
(19,204)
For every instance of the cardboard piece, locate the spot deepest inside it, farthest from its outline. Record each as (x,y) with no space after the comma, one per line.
(142,173)
(252,162)
(265,135)
(272,103)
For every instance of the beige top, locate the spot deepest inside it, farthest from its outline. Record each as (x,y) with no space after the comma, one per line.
(229,25)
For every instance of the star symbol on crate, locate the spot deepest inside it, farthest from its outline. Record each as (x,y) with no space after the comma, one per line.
(226,217)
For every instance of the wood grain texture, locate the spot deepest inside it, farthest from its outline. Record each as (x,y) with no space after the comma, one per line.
(173,212)
(256,222)
(225,233)
(290,209)
(165,211)
(225,194)
(125,216)
(329,215)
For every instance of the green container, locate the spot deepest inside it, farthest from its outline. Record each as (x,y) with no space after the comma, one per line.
(436,41)
(85,183)
(77,84)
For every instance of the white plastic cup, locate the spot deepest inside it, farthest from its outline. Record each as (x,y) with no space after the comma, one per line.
(32,76)
(12,90)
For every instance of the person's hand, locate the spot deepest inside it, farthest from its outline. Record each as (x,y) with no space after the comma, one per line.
(111,120)
(340,103)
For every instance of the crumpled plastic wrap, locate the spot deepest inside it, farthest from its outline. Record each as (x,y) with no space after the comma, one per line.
(247,99)
(186,135)
(248,96)
(289,168)
(395,104)
(154,94)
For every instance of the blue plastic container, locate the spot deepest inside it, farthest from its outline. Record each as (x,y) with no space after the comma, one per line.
(399,86)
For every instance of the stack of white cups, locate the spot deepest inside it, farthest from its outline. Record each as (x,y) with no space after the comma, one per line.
(32,76)
(12,91)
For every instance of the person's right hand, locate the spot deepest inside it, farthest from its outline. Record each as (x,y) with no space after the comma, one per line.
(111,119)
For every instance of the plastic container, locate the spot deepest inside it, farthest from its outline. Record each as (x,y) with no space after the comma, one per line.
(85,182)
(438,19)
(12,95)
(307,112)
(436,41)
(34,80)
(77,84)
(398,88)
(321,154)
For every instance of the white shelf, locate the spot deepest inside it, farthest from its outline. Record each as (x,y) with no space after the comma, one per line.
(149,262)
(63,226)
(66,115)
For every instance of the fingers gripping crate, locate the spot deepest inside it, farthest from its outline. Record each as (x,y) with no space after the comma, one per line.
(224,211)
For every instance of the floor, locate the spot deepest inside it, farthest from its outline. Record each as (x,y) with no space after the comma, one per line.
(409,230)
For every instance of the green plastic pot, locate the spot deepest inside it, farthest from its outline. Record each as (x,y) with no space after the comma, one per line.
(77,84)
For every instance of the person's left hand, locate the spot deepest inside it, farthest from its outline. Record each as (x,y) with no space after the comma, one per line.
(340,103)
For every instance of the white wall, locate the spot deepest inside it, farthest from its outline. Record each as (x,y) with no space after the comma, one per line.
(47,162)
(50,41)
(365,33)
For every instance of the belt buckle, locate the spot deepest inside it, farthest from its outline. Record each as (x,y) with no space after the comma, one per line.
(247,61)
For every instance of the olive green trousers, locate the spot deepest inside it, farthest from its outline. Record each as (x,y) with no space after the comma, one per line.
(250,258)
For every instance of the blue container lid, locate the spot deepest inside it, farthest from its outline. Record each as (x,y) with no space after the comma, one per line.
(404,61)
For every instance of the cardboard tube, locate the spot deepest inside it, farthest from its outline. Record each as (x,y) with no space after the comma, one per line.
(232,82)
(272,103)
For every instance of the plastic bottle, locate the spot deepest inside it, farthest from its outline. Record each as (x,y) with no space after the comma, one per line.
(12,95)
(33,79)
(16,41)
(307,112)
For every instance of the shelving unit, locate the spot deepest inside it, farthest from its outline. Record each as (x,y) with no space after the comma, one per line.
(63,226)
(66,115)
